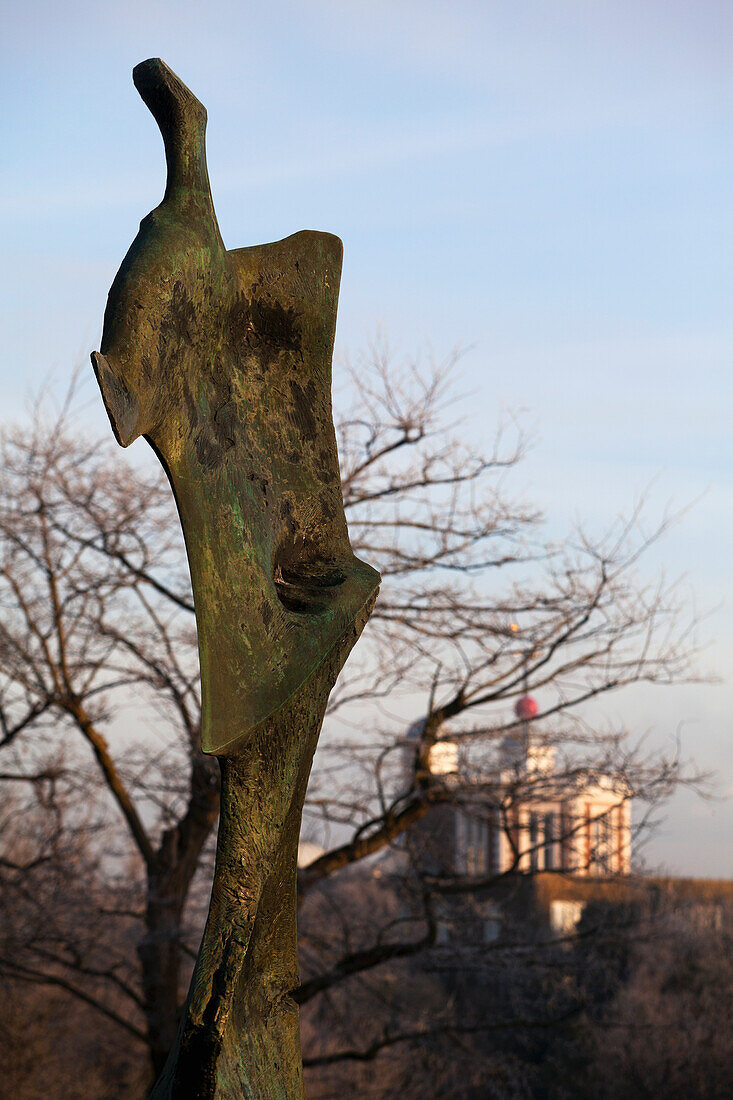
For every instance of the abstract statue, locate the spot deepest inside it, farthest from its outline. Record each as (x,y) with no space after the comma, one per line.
(222,361)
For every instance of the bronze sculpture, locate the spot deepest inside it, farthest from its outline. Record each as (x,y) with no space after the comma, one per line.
(221,360)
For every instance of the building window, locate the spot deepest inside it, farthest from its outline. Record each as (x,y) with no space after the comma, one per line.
(495,833)
(618,839)
(602,844)
(550,837)
(564,915)
(491,929)
(535,841)
(568,829)
(474,844)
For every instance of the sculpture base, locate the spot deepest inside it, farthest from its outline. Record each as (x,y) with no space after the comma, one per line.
(240,1033)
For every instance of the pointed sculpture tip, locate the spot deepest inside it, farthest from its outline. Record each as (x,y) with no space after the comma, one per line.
(158,85)
(122,408)
(147,67)
(152,73)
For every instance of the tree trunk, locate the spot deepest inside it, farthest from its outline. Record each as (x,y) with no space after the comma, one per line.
(160,961)
(169,880)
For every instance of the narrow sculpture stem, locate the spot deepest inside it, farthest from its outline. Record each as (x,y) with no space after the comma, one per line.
(239,1037)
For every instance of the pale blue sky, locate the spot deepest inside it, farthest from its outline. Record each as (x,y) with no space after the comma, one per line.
(547,183)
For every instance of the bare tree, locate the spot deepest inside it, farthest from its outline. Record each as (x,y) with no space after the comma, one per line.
(666,1025)
(97,615)
(68,972)
(98,659)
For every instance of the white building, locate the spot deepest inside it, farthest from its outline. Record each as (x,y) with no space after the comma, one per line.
(527,816)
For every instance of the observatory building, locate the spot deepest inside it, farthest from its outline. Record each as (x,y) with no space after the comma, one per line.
(525,814)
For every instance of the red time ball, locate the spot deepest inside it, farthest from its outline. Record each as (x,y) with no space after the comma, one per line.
(526,708)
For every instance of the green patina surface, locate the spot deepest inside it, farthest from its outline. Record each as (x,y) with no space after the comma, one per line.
(221,359)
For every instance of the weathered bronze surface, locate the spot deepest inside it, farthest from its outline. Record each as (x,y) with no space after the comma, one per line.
(222,361)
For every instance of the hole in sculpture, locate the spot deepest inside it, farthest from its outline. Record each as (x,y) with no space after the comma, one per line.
(305,587)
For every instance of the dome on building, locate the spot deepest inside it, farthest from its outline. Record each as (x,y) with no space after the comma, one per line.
(442,755)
